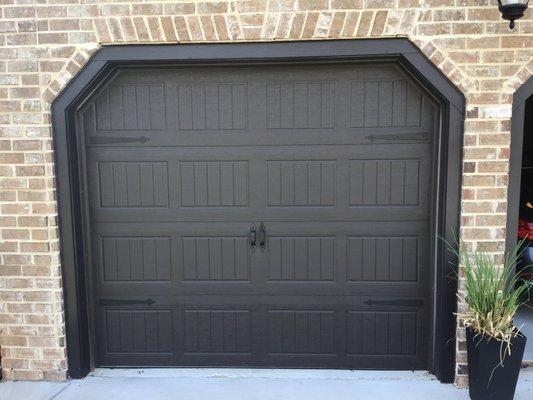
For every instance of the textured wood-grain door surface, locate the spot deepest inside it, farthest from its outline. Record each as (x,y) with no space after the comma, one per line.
(336,160)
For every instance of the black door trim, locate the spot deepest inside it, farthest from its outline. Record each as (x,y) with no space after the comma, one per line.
(109,58)
(520,97)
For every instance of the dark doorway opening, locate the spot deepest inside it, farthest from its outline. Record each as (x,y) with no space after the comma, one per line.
(524,317)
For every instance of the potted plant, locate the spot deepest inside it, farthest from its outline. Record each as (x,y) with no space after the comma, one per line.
(495,346)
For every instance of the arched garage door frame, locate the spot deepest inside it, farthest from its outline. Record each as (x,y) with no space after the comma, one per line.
(520,97)
(108,59)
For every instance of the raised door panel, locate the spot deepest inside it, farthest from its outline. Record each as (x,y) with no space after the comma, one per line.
(135,258)
(392,182)
(217,331)
(307,258)
(212,106)
(213,183)
(131,107)
(383,259)
(211,258)
(301,332)
(142,184)
(386,333)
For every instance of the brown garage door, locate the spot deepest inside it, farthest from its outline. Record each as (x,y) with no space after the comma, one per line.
(327,168)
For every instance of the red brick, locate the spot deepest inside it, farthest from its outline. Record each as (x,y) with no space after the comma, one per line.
(517,41)
(19,12)
(147,9)
(346,4)
(195,31)
(336,24)
(64,24)
(101,28)
(220,25)
(179,8)
(297,25)
(310,25)
(208,7)
(52,38)
(141,28)
(306,5)
(352,19)
(168,29)
(208,28)
(155,29)
(365,23)
(379,23)
(115,10)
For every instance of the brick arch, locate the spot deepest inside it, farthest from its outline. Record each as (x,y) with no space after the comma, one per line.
(518,79)
(304,25)
(447,66)
(67,72)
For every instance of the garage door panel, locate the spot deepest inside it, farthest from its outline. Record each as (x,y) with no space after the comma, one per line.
(217,335)
(212,106)
(130,336)
(307,258)
(134,107)
(154,258)
(213,183)
(298,257)
(300,105)
(217,331)
(381,332)
(130,184)
(310,332)
(130,108)
(387,103)
(294,332)
(383,259)
(138,258)
(385,182)
(309,105)
(357,258)
(222,258)
(139,331)
(392,184)
(301,182)
(352,336)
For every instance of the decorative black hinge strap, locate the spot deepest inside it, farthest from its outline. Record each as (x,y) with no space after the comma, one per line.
(125,302)
(396,302)
(398,136)
(115,139)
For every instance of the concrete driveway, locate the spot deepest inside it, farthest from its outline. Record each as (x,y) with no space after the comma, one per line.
(247,384)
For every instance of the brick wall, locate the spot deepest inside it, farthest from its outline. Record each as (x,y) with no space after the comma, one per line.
(43,43)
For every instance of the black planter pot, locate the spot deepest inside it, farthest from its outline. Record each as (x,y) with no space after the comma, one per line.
(488,380)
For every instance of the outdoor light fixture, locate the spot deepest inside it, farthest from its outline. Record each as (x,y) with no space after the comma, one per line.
(512,10)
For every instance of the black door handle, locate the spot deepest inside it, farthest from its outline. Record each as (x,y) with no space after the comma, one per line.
(253,237)
(262,236)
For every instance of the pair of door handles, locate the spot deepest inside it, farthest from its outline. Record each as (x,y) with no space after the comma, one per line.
(256,233)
